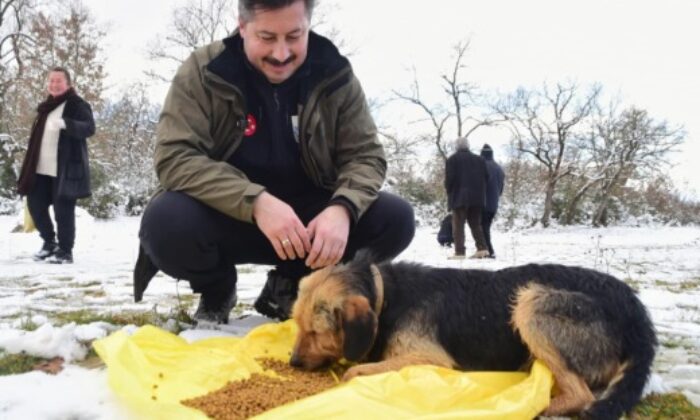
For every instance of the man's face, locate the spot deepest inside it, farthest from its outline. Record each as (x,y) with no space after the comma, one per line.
(276,41)
(57,84)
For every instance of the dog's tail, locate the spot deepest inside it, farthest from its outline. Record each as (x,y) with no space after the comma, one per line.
(624,392)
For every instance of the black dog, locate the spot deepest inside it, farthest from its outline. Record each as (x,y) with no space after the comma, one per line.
(588,327)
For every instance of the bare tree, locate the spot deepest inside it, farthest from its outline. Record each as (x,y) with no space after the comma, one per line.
(194,24)
(401,152)
(14,39)
(124,153)
(458,112)
(519,202)
(322,23)
(463,99)
(437,115)
(544,125)
(630,144)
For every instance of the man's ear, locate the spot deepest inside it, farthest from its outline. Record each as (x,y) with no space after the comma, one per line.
(241,27)
(359,327)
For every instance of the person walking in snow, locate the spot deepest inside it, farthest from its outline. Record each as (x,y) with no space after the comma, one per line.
(494,189)
(266,153)
(56,171)
(465,183)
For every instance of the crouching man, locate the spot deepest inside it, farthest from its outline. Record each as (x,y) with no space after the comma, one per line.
(266,154)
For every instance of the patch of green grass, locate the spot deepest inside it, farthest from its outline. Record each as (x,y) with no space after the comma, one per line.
(671,344)
(675,287)
(664,283)
(665,406)
(134,318)
(12,364)
(181,316)
(95,293)
(123,318)
(239,308)
(634,284)
(27,324)
(186,300)
(693,284)
(83,316)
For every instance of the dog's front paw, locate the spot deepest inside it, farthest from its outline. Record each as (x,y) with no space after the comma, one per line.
(359,370)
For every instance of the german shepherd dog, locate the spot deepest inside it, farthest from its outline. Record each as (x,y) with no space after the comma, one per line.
(588,327)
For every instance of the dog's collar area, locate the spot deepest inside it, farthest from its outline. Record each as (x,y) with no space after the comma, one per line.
(379,286)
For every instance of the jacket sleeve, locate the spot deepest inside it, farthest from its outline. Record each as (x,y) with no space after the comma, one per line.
(80,123)
(360,160)
(183,144)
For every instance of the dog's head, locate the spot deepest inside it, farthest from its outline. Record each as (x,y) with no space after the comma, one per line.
(335,316)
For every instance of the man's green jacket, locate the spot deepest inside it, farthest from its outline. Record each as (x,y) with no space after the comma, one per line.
(204,118)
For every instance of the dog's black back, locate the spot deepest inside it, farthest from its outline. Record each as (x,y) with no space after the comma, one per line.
(471,309)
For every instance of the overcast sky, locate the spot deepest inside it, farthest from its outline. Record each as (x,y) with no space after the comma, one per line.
(644,51)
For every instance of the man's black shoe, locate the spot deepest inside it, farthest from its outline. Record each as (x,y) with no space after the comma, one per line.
(144,271)
(215,305)
(277,296)
(61,257)
(47,250)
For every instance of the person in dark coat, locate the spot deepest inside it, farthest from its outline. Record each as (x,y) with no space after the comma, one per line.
(56,170)
(465,183)
(494,189)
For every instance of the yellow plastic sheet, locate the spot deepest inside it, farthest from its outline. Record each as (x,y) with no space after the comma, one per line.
(152,370)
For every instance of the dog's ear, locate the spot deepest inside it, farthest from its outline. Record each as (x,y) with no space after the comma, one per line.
(359,327)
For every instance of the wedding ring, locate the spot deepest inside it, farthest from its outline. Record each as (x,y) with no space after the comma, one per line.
(285,242)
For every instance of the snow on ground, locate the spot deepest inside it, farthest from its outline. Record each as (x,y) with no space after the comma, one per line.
(663,263)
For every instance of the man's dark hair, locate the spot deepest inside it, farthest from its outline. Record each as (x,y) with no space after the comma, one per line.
(62,70)
(247,8)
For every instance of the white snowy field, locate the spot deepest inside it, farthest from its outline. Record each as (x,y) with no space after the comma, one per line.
(663,263)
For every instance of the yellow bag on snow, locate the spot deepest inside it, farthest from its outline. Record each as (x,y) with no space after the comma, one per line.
(28,225)
(153,370)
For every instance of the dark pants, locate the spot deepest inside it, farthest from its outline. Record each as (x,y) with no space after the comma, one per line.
(188,240)
(471,215)
(486,220)
(40,198)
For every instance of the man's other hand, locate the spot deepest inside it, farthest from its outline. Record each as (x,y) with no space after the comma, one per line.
(329,232)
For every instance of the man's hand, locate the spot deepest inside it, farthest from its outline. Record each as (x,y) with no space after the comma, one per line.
(329,232)
(281,226)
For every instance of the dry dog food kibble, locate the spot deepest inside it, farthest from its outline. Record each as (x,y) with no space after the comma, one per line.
(259,393)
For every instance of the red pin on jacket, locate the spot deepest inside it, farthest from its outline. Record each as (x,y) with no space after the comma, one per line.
(251,125)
